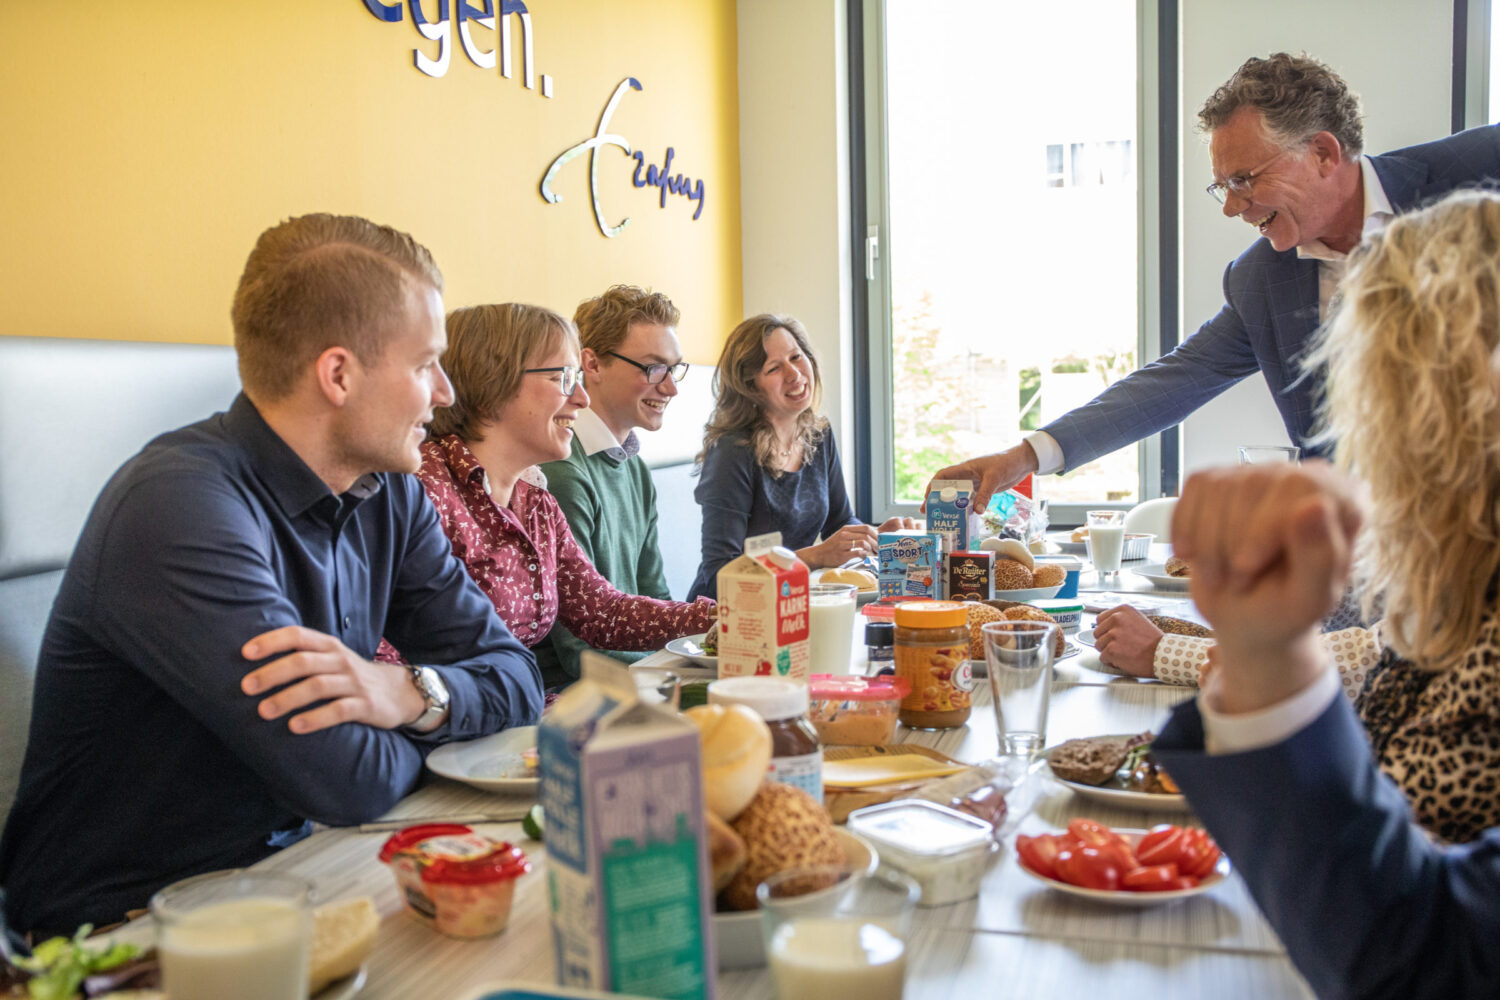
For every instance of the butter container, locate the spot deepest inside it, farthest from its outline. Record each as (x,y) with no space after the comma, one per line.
(945,850)
(1067,610)
(856,711)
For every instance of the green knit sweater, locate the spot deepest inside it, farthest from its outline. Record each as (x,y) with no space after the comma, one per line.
(611,507)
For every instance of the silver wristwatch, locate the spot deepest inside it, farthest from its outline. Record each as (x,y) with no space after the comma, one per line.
(430,686)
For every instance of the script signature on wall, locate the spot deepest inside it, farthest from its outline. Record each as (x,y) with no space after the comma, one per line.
(644,175)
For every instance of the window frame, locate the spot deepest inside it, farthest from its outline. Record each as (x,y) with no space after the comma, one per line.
(1158,196)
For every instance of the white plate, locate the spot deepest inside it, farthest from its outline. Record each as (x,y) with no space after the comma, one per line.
(690,647)
(342,989)
(1113,792)
(1124,897)
(1085,636)
(1064,542)
(1029,594)
(492,763)
(1157,574)
(737,936)
(861,597)
(980,668)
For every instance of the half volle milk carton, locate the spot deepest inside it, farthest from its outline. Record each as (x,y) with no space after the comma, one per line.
(911,564)
(628,879)
(948,507)
(763,612)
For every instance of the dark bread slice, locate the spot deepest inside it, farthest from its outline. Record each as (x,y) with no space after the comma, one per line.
(1091,761)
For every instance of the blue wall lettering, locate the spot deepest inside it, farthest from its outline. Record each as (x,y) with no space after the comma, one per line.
(440,30)
(661,179)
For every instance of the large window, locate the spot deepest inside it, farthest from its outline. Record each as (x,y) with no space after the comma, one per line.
(1003,144)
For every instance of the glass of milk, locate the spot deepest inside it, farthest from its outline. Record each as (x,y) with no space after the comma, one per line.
(832,933)
(1019,656)
(1106,540)
(240,934)
(830,628)
(1260,454)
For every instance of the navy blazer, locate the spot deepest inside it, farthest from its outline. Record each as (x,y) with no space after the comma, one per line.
(1366,905)
(1270,313)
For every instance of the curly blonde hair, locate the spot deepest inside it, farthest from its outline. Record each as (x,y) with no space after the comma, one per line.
(737,401)
(1413,404)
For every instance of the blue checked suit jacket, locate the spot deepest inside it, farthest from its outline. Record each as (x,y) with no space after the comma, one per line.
(1270,313)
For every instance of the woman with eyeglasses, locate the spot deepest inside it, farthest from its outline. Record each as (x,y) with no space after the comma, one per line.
(517,388)
(769,461)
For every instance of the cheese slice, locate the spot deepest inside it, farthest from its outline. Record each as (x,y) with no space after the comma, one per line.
(862,772)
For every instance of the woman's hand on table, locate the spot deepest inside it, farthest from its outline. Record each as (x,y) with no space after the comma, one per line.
(1127,641)
(852,541)
(1271,548)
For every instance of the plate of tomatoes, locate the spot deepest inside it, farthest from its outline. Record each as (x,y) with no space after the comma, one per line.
(1124,867)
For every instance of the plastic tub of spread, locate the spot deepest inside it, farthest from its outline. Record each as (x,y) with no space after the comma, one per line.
(945,850)
(856,711)
(460,881)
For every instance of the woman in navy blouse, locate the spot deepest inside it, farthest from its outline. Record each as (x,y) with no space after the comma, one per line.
(769,461)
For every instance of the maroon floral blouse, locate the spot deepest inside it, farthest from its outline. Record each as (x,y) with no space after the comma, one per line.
(525,558)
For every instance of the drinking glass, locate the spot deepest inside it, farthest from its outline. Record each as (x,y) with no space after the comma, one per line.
(833,933)
(239,934)
(1106,541)
(1258,454)
(830,628)
(1019,655)
(656,686)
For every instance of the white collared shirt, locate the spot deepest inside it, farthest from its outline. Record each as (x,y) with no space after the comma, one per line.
(595,437)
(1331,264)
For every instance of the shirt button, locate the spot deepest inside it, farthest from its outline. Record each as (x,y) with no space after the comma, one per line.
(532,567)
(346,621)
(536,597)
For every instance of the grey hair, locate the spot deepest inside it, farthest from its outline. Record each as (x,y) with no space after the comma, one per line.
(1298,97)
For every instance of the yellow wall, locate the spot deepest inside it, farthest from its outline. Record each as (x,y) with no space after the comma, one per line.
(146,144)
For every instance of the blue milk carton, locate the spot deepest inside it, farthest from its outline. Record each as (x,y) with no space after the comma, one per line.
(627,863)
(911,564)
(948,509)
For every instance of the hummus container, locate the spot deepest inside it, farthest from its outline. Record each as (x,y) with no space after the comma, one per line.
(1068,611)
(945,850)
(459,881)
(855,711)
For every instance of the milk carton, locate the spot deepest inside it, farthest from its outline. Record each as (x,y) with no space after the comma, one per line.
(763,612)
(910,564)
(948,508)
(971,576)
(628,879)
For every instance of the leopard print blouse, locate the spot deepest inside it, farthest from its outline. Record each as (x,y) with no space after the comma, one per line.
(1437,734)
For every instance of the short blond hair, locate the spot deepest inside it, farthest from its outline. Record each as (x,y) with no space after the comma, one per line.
(604,322)
(1413,406)
(489,348)
(320,281)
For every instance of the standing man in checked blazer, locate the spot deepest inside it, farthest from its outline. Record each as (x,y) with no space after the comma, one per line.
(1286,140)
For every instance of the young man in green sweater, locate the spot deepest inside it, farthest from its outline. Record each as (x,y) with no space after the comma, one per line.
(631,364)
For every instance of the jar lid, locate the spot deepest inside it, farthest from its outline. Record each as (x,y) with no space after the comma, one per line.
(454,854)
(846,687)
(931,614)
(1058,605)
(880,633)
(772,698)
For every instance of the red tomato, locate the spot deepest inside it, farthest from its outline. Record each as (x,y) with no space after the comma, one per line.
(1154,878)
(1199,854)
(1090,833)
(1038,853)
(1162,846)
(1089,868)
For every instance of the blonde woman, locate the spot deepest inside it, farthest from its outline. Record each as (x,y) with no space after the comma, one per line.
(1413,405)
(769,461)
(517,388)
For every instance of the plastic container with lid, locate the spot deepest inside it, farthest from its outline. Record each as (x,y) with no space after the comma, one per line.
(460,881)
(796,754)
(856,711)
(1068,611)
(945,850)
(880,648)
(932,655)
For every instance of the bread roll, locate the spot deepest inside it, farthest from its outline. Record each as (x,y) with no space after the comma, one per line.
(1023,613)
(1011,575)
(736,753)
(726,852)
(978,615)
(343,935)
(1049,575)
(862,579)
(783,828)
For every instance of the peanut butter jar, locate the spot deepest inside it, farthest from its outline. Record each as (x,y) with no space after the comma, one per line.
(932,654)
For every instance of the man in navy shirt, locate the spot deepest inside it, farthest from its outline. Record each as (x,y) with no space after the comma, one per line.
(206,685)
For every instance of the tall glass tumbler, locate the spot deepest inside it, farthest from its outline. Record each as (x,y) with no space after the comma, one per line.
(1019,655)
(1106,541)
(1262,454)
(830,628)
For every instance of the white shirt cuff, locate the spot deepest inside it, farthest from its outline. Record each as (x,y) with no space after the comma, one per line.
(1049,456)
(1224,733)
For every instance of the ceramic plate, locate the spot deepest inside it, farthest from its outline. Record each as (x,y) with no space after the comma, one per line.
(492,763)
(1113,792)
(341,989)
(1064,542)
(1123,897)
(1157,574)
(861,597)
(690,647)
(981,669)
(1085,636)
(1029,594)
(737,936)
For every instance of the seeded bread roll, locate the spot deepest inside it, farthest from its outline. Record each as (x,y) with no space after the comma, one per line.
(783,827)
(1178,567)
(1011,575)
(1049,575)
(1026,613)
(1176,626)
(978,615)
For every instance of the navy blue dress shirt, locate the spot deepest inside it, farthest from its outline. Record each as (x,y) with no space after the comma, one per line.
(146,763)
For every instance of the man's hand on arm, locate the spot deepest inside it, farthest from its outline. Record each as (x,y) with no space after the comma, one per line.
(990,474)
(320,670)
(1270,548)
